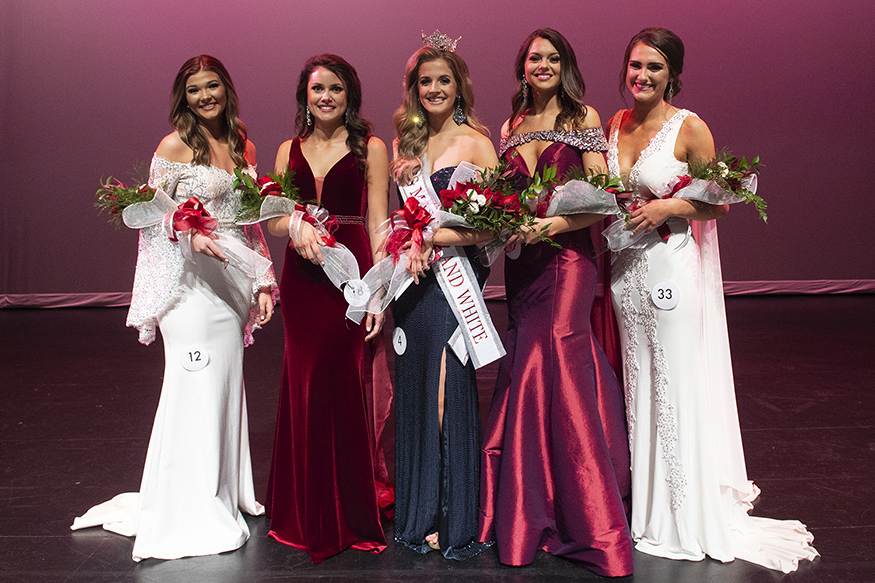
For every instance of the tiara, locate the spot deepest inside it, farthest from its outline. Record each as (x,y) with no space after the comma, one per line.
(440,41)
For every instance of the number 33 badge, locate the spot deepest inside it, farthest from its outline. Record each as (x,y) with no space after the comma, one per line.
(665,295)
(194,358)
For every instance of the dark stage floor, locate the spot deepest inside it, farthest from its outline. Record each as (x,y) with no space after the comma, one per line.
(79,393)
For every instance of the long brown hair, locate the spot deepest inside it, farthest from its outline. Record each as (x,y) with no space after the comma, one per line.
(357,127)
(670,46)
(413,139)
(571,85)
(186,122)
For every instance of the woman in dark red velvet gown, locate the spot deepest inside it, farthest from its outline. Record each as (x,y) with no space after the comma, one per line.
(323,494)
(555,455)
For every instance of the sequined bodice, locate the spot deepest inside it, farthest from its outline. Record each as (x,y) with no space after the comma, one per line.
(585,140)
(440,179)
(209,184)
(656,164)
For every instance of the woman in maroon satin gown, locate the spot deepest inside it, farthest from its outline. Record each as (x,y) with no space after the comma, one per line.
(555,455)
(323,495)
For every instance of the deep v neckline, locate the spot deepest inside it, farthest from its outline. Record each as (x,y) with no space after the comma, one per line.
(652,145)
(324,178)
(530,173)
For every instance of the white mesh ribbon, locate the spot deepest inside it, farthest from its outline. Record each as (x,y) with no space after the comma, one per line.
(388,279)
(160,210)
(707,191)
(340,264)
(271,208)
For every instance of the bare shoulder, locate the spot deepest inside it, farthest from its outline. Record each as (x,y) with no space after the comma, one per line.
(505,130)
(250,153)
(694,126)
(282,157)
(174,149)
(482,150)
(592,119)
(376,147)
(696,138)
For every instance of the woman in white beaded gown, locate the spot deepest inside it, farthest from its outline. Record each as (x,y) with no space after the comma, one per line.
(690,492)
(198,476)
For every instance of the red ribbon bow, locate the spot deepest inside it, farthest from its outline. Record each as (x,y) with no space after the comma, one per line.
(330,224)
(192,215)
(407,225)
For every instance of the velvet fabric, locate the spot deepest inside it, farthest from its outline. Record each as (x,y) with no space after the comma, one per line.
(323,492)
(555,456)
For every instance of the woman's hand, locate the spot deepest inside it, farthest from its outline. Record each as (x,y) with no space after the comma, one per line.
(373,324)
(265,306)
(529,234)
(310,243)
(417,263)
(201,243)
(650,214)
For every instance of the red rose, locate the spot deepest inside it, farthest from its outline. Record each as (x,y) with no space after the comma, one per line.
(267,186)
(510,203)
(683,182)
(450,196)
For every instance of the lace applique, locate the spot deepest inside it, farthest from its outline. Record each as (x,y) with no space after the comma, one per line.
(656,143)
(159,260)
(633,265)
(587,140)
(613,153)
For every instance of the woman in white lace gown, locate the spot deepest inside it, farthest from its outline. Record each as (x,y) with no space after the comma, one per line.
(198,475)
(690,492)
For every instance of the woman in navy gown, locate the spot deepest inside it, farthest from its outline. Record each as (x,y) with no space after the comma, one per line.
(555,456)
(437,420)
(323,495)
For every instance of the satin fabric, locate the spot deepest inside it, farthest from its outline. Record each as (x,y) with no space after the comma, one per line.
(555,456)
(437,469)
(323,493)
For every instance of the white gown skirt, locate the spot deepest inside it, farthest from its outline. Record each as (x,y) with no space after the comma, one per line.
(198,473)
(690,492)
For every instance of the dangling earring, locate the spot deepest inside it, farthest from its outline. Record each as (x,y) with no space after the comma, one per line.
(458,115)
(309,117)
(419,118)
(670,91)
(525,89)
(346,116)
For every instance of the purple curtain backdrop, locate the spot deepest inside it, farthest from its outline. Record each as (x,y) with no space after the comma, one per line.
(85,91)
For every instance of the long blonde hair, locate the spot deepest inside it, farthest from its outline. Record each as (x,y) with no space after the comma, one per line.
(413,139)
(186,123)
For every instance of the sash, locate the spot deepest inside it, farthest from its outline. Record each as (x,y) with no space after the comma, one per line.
(479,339)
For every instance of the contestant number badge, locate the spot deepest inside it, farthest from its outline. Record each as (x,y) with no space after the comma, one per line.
(399,341)
(194,358)
(665,295)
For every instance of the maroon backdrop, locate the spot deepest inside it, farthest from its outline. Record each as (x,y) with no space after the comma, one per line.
(85,90)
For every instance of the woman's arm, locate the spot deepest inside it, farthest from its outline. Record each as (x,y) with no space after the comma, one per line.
(280,227)
(378,194)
